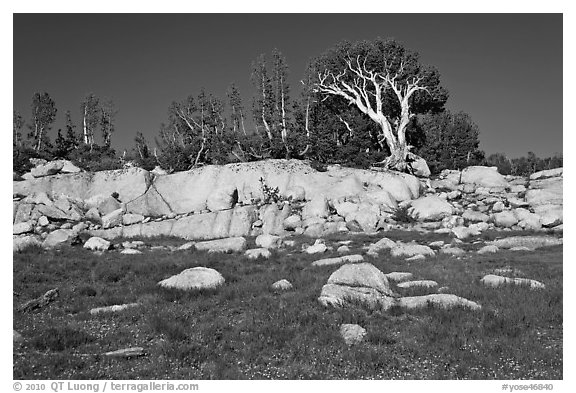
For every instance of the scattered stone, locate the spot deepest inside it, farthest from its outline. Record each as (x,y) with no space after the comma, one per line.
(133,244)
(418,284)
(382,244)
(492,280)
(441,300)
(343,249)
(399,276)
(130,251)
(455,251)
(408,250)
(337,260)
(418,257)
(256,253)
(436,244)
(530,242)
(489,249)
(114,308)
(465,232)
(520,248)
(233,244)
(317,248)
(126,353)
(194,278)
(268,241)
(352,334)
(187,246)
(282,285)
(97,244)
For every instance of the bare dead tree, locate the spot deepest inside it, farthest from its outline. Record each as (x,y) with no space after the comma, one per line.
(365,89)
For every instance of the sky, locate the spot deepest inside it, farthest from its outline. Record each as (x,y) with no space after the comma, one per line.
(504,70)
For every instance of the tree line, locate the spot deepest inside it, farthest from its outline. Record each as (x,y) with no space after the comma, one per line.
(359,104)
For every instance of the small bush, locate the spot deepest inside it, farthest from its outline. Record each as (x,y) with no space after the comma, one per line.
(271,195)
(402,214)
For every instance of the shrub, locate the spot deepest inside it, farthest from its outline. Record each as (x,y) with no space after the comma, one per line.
(271,195)
(402,214)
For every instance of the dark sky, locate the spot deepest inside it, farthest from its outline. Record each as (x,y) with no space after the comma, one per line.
(505,70)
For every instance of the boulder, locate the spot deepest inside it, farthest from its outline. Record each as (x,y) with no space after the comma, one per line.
(47,169)
(51,212)
(430,208)
(419,166)
(97,244)
(268,241)
(108,205)
(547,173)
(475,216)
(282,285)
(69,167)
(418,284)
(232,244)
(382,244)
(440,300)
(505,219)
(112,219)
(22,227)
(483,176)
(530,242)
(317,248)
(352,334)
(194,278)
(549,215)
(455,251)
(465,232)
(361,282)
(338,260)
(546,196)
(492,280)
(37,198)
(58,237)
(292,222)
(399,276)
(130,251)
(489,249)
(409,250)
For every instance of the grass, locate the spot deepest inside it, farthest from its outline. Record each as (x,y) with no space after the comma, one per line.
(245,330)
